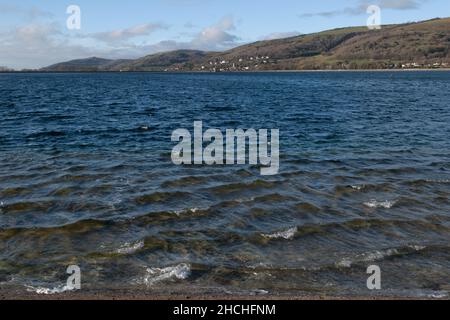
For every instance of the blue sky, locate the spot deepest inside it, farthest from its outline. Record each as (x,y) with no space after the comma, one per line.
(34,33)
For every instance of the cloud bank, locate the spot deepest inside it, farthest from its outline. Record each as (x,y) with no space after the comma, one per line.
(41,43)
(362,6)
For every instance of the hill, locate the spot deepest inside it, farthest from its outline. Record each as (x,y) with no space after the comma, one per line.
(174,60)
(89,64)
(5,69)
(414,45)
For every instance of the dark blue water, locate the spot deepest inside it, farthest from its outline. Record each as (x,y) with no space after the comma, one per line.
(86,178)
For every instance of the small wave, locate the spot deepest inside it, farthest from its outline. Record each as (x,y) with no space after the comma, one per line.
(344,189)
(380,204)
(159,197)
(344,263)
(438,295)
(438,181)
(188,211)
(14,192)
(378,255)
(78,227)
(307,207)
(259,292)
(242,200)
(49,291)
(286,234)
(155,275)
(186,181)
(219,108)
(443,181)
(130,247)
(385,171)
(143,128)
(244,173)
(46,134)
(428,181)
(417,247)
(28,206)
(238,187)
(274,197)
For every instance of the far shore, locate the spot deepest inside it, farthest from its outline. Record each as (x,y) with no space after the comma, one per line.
(238,72)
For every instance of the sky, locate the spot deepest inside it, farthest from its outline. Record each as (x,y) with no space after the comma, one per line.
(34,33)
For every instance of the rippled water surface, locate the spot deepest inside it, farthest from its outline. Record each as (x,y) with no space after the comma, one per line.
(86,178)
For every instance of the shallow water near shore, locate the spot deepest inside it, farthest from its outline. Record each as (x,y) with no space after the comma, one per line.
(86,178)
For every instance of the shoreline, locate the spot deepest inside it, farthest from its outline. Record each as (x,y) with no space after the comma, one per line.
(8,292)
(111,295)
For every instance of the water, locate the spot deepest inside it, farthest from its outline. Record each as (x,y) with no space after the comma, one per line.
(86,178)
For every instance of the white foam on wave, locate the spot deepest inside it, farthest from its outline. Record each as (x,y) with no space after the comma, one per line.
(378,255)
(380,204)
(130,247)
(49,291)
(251,199)
(184,211)
(286,234)
(375,256)
(438,295)
(195,210)
(155,275)
(344,263)
(438,180)
(259,292)
(359,188)
(417,247)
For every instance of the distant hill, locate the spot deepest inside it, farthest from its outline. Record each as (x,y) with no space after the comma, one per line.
(5,69)
(414,45)
(89,64)
(174,60)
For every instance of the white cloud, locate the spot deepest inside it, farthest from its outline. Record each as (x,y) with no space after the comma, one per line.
(30,13)
(128,33)
(362,6)
(212,38)
(189,25)
(281,35)
(217,36)
(36,45)
(400,4)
